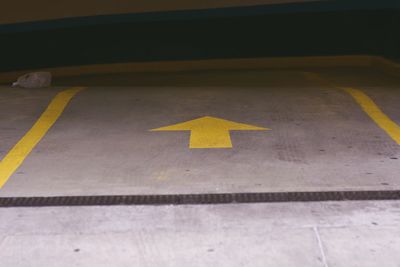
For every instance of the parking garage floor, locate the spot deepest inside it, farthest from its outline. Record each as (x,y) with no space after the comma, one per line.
(202,132)
(206,132)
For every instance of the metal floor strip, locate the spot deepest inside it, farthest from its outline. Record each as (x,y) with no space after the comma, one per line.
(196,199)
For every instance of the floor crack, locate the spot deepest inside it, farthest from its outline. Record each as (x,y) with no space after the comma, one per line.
(321,248)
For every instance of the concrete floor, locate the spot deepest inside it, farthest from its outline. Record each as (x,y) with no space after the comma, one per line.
(344,234)
(320,139)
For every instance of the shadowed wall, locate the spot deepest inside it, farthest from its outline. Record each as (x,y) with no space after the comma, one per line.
(273,30)
(13,11)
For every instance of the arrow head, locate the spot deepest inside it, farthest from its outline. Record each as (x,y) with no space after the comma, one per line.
(209,122)
(210,132)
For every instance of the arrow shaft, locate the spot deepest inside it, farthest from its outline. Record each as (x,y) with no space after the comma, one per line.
(210,138)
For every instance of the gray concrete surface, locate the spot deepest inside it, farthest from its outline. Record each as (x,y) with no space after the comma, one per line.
(19,109)
(320,139)
(329,234)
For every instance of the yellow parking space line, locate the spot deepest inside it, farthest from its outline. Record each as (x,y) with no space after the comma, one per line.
(367,104)
(317,79)
(16,156)
(375,113)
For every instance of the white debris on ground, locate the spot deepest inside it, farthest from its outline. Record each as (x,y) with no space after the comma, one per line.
(34,80)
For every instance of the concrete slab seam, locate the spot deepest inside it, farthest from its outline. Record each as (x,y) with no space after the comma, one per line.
(321,248)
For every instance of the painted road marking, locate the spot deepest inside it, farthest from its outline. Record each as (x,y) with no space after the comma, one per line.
(375,113)
(368,106)
(16,156)
(210,132)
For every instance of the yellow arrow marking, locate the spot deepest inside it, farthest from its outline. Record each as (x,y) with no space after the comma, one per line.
(210,132)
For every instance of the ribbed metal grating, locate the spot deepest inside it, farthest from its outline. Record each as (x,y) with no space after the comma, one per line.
(193,199)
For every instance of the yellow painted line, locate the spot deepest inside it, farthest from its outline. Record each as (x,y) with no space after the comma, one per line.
(16,156)
(316,78)
(375,113)
(368,106)
(210,132)
(207,64)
